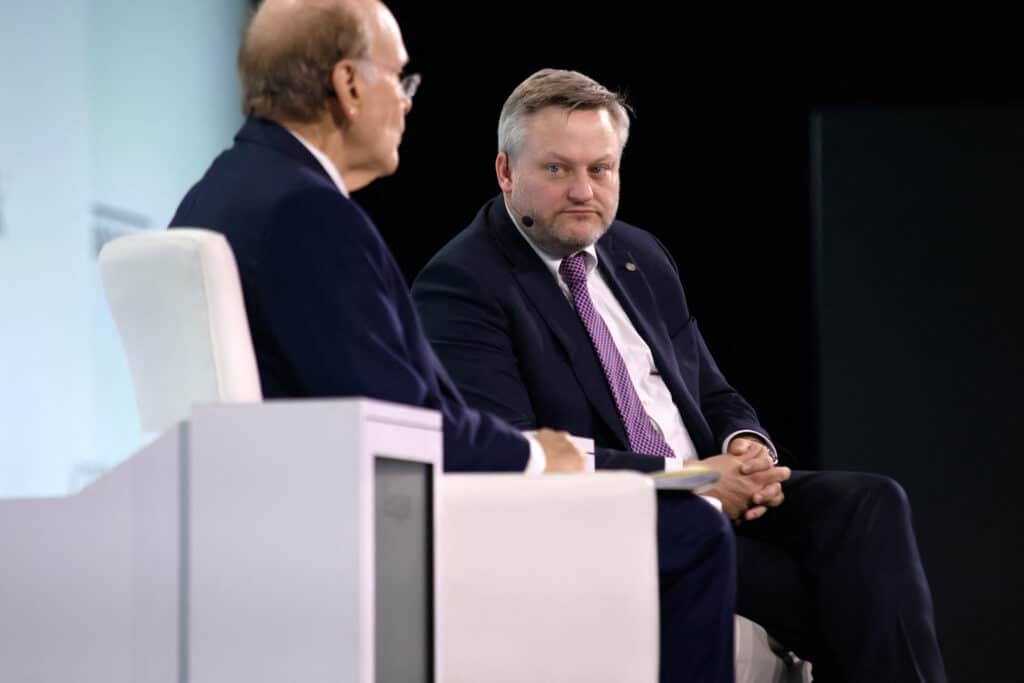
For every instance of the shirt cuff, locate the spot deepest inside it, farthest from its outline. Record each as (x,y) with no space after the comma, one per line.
(538,461)
(714,502)
(771,447)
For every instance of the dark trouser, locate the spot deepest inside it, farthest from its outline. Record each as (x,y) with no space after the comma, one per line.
(834,575)
(697,564)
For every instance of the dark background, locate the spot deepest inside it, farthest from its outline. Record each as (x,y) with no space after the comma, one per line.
(863,343)
(920,342)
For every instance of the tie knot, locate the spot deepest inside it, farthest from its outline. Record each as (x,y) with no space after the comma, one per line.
(574,269)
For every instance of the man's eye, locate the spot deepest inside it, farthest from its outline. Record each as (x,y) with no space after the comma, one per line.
(554,168)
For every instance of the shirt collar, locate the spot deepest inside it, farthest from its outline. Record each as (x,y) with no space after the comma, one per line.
(327,164)
(553,262)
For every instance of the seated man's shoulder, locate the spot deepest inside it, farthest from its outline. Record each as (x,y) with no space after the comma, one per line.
(640,242)
(471,252)
(299,226)
(320,212)
(316,198)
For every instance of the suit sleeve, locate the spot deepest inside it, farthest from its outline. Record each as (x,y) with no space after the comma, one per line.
(724,408)
(341,316)
(468,329)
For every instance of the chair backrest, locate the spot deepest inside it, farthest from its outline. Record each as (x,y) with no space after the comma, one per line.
(177,301)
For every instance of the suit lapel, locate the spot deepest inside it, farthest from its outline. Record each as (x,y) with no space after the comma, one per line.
(547,298)
(633,291)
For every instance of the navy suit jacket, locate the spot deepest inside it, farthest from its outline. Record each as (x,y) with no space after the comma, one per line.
(328,308)
(516,348)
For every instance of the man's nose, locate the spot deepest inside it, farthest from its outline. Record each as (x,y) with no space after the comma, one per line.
(580,188)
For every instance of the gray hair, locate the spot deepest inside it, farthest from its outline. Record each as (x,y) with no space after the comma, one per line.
(556,88)
(285,62)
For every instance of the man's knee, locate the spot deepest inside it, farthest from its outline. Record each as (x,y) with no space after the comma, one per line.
(890,492)
(882,494)
(859,489)
(691,529)
(865,504)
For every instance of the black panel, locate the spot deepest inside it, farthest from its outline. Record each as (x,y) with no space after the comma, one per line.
(921,331)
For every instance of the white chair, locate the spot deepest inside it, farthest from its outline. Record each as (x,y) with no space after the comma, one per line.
(177,302)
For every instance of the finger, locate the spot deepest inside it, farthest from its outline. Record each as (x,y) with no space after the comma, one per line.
(744,456)
(757,463)
(754,513)
(770,476)
(770,495)
(764,494)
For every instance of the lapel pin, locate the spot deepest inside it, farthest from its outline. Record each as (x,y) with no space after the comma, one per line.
(630,266)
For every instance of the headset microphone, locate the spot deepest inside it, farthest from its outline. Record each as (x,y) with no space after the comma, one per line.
(527,220)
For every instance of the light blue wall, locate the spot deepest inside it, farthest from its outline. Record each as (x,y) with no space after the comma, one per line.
(109,110)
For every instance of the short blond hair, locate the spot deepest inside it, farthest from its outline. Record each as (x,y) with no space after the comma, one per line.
(556,88)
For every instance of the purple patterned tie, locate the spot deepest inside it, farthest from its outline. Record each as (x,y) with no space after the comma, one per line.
(643,436)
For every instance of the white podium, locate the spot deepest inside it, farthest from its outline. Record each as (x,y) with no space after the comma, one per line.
(278,541)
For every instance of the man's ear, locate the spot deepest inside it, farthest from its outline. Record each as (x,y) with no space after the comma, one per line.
(347,88)
(503,169)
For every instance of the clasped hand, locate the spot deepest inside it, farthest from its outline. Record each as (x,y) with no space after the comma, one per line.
(750,481)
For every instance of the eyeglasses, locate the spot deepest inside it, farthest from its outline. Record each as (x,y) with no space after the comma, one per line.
(409,83)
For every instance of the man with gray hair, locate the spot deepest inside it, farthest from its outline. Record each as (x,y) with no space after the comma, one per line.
(328,308)
(547,309)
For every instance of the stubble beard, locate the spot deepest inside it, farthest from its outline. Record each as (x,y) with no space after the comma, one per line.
(562,243)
